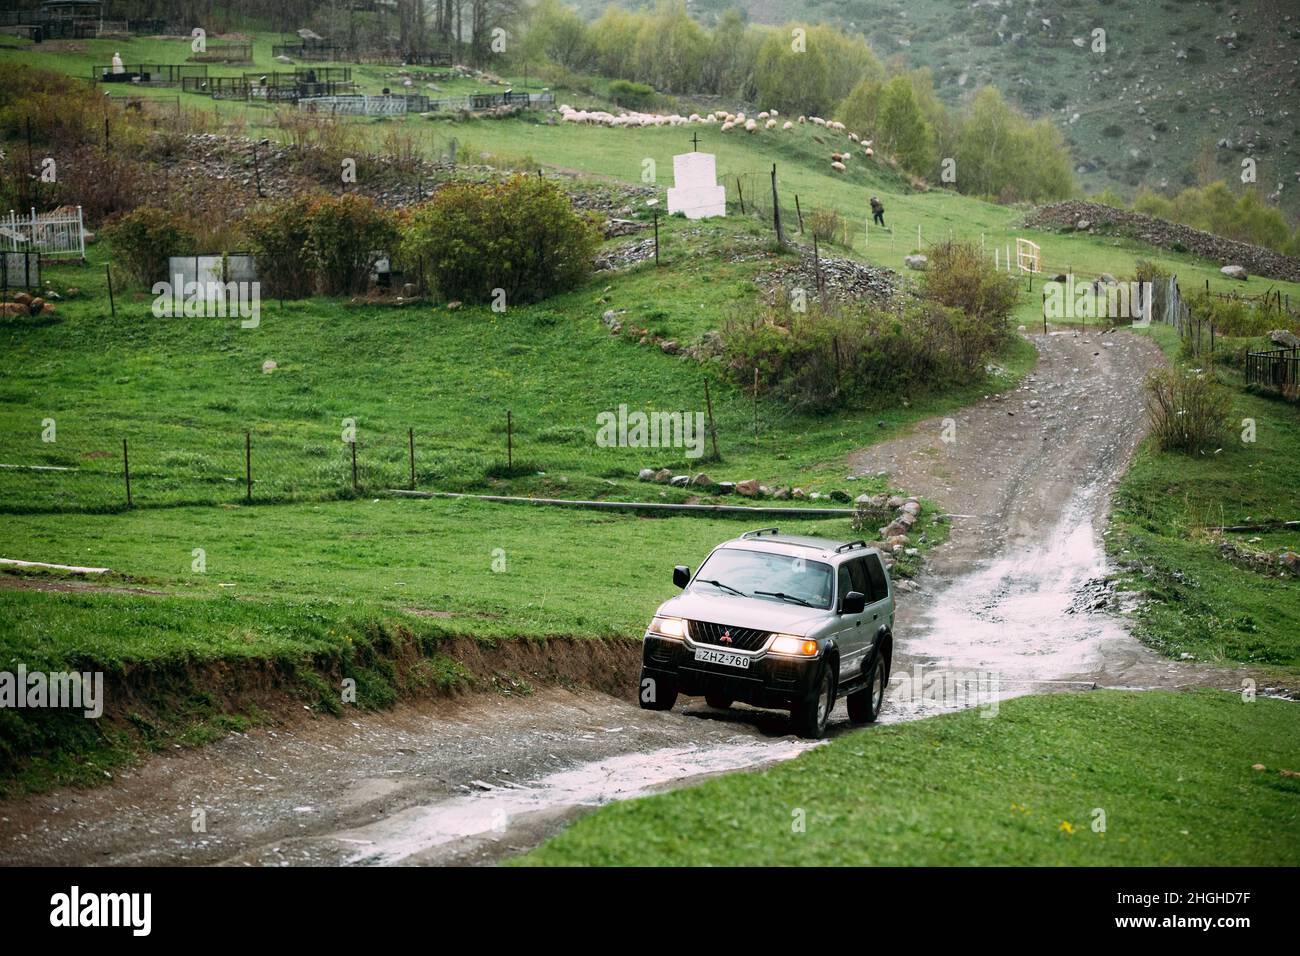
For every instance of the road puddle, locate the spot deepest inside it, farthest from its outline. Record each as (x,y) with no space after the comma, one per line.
(1028,618)
(491,812)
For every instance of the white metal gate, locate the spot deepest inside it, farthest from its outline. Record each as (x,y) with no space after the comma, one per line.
(57,233)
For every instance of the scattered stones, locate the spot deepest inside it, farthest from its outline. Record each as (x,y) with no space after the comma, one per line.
(1234,272)
(646,474)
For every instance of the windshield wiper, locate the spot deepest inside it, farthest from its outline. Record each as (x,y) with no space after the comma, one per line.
(725,587)
(785,597)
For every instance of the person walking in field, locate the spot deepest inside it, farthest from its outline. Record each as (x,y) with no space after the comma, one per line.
(877,211)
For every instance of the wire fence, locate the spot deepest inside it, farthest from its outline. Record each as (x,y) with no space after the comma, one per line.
(64,466)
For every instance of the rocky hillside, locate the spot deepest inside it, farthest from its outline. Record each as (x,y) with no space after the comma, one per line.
(1096,218)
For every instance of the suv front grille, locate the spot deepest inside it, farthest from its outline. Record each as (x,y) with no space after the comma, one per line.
(740,638)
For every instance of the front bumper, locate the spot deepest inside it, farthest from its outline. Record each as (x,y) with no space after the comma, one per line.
(770,680)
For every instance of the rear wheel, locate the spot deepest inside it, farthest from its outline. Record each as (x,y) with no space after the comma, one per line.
(864,705)
(718,701)
(657,693)
(812,714)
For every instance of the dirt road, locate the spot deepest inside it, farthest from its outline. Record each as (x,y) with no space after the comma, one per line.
(1009,597)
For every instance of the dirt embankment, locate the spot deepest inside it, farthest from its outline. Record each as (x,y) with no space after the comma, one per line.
(1164,234)
(152,707)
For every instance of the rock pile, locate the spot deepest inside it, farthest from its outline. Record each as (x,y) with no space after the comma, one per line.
(1098,218)
(843,279)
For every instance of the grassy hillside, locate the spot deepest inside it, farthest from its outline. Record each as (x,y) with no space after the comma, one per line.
(1172,58)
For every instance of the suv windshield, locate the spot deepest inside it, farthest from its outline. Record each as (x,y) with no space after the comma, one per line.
(771,577)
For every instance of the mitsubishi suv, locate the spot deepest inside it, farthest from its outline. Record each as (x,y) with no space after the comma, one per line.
(779,621)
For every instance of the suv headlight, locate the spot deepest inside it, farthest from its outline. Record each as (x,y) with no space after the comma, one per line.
(794,645)
(673,627)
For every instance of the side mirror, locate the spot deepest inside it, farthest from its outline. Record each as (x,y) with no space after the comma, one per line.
(855,602)
(681,575)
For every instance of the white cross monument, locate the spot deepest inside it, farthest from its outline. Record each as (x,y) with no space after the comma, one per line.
(696,191)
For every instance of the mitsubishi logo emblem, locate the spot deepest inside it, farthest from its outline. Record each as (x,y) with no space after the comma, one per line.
(725,638)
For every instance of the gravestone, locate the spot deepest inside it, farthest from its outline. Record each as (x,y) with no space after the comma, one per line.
(696,191)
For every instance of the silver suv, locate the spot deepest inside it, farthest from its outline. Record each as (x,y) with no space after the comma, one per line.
(777,621)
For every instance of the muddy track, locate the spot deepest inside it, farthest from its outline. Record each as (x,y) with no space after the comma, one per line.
(474,780)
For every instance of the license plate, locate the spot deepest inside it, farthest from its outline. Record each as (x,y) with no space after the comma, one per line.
(721,657)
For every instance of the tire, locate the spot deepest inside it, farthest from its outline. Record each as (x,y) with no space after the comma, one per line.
(718,701)
(662,692)
(810,717)
(864,705)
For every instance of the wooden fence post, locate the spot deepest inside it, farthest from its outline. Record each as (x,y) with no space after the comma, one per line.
(713,429)
(410,437)
(248,466)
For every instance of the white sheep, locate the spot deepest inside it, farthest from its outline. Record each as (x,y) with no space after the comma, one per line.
(787,125)
(838,167)
(853,137)
(770,124)
(870,152)
(728,125)
(763,116)
(750,126)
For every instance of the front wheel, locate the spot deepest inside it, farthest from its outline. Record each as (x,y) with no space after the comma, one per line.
(657,693)
(864,705)
(812,714)
(718,701)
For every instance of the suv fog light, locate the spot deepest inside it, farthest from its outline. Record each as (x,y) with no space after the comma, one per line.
(673,627)
(790,644)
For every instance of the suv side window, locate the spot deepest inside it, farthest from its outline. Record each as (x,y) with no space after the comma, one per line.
(879,589)
(858,574)
(845,584)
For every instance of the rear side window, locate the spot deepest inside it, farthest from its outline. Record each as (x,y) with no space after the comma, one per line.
(879,588)
(858,574)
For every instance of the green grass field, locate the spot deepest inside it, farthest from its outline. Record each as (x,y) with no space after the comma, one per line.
(1167,774)
(1197,602)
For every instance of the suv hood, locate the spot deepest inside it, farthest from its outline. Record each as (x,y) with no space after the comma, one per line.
(757,613)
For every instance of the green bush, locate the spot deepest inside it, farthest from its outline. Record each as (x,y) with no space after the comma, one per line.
(1188,410)
(144,238)
(855,354)
(826,224)
(277,236)
(635,96)
(522,235)
(959,276)
(346,236)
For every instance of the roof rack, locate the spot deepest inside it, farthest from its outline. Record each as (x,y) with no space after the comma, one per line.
(850,546)
(760,532)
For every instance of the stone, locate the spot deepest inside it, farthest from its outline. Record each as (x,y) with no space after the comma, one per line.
(701,479)
(1083,225)
(917,262)
(669,347)
(269,366)
(726,487)
(646,474)
(409,290)
(840,496)
(796,493)
(863,501)
(781,494)
(911,507)
(663,475)
(1234,272)
(1284,339)
(679,481)
(896,502)
(10,309)
(453,305)
(748,487)
(23,298)
(36,305)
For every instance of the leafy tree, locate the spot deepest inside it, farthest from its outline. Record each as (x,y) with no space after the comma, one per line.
(903,129)
(790,80)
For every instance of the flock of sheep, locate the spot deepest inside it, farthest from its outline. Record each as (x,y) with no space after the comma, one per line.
(766,120)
